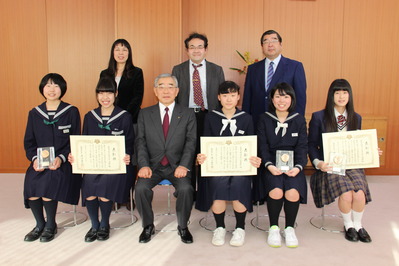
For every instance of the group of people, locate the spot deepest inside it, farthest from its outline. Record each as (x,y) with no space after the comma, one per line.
(162,142)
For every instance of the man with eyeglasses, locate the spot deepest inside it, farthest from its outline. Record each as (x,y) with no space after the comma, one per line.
(264,75)
(165,143)
(199,81)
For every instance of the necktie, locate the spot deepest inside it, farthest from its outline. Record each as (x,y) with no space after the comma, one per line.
(270,73)
(341,121)
(165,127)
(198,100)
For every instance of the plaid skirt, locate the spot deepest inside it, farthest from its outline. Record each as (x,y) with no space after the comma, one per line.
(327,187)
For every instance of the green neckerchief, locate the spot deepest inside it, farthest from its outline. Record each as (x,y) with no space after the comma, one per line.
(107,127)
(49,123)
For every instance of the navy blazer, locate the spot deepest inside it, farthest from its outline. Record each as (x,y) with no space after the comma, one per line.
(130,92)
(214,76)
(256,101)
(316,128)
(179,146)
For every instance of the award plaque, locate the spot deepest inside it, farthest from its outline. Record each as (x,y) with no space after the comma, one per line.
(338,163)
(284,160)
(45,157)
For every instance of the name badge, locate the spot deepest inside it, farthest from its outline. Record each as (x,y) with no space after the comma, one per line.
(294,135)
(241,132)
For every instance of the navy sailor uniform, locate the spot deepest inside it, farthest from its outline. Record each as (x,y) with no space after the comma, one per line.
(114,187)
(46,129)
(290,135)
(227,188)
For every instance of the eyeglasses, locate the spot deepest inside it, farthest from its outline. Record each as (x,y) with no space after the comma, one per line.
(270,41)
(199,47)
(166,88)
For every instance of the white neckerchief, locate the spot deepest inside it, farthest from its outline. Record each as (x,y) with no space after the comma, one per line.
(284,125)
(232,123)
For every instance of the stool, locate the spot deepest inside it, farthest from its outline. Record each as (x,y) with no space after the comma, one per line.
(325,222)
(76,220)
(133,217)
(167,183)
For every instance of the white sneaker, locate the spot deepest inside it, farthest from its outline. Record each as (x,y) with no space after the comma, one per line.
(238,238)
(290,238)
(218,236)
(274,238)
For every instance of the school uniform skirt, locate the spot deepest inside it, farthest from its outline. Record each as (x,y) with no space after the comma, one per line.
(327,187)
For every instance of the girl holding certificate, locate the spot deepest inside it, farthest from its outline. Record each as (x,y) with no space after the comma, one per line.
(282,131)
(48,181)
(214,192)
(102,190)
(351,189)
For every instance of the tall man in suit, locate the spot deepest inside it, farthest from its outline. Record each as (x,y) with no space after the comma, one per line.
(265,74)
(166,139)
(199,81)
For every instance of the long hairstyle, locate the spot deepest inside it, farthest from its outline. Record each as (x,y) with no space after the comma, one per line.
(329,114)
(112,64)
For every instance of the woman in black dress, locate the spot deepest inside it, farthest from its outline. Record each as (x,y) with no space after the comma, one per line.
(50,125)
(102,190)
(227,121)
(283,129)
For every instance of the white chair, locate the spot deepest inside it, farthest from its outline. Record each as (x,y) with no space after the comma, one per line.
(77,218)
(133,219)
(327,222)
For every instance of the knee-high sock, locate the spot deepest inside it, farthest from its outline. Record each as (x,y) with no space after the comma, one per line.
(92,208)
(291,211)
(240,219)
(37,209)
(274,208)
(219,218)
(106,208)
(348,223)
(51,210)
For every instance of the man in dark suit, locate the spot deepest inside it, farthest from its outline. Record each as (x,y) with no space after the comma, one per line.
(265,74)
(198,73)
(166,139)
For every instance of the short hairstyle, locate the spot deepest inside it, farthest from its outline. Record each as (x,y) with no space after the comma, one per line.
(112,64)
(106,84)
(56,79)
(228,87)
(269,32)
(329,113)
(196,35)
(166,75)
(283,89)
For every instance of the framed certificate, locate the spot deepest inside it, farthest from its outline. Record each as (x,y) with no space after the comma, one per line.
(98,154)
(45,157)
(228,156)
(359,147)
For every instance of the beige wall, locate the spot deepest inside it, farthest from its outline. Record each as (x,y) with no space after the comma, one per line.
(353,39)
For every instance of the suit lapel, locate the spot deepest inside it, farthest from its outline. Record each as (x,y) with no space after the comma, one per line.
(281,68)
(157,122)
(176,118)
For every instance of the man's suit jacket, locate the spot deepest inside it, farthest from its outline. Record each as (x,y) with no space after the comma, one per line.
(179,146)
(290,71)
(214,76)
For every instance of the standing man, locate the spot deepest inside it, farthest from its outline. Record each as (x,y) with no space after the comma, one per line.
(199,82)
(265,74)
(166,139)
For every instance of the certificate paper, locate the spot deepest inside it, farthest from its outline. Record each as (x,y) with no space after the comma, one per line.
(360,147)
(228,156)
(98,154)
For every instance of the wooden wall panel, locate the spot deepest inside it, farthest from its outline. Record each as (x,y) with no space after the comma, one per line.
(80,35)
(153,28)
(371,63)
(23,54)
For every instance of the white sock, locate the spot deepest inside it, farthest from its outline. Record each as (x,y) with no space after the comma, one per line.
(357,219)
(348,223)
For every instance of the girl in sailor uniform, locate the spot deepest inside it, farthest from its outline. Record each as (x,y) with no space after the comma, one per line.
(50,125)
(283,129)
(352,190)
(227,121)
(100,191)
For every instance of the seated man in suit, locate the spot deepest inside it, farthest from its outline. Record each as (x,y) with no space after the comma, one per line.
(166,139)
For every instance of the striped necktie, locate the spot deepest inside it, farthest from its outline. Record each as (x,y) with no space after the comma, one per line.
(270,73)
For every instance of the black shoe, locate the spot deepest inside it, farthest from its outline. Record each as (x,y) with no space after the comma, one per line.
(145,236)
(103,234)
(91,235)
(48,234)
(351,235)
(185,235)
(33,235)
(364,236)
